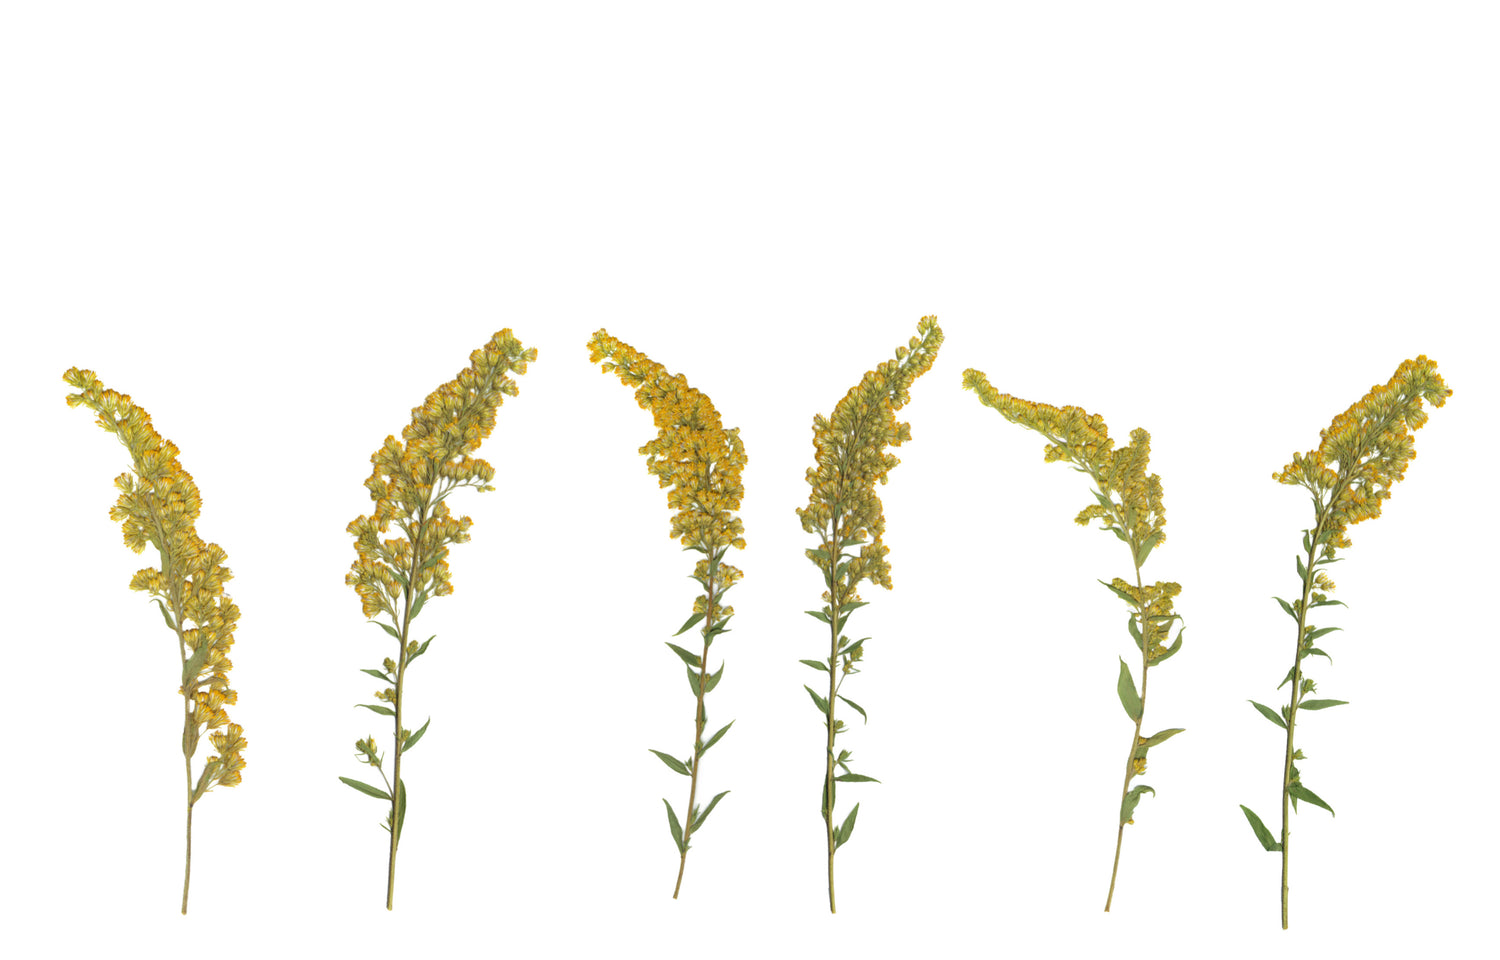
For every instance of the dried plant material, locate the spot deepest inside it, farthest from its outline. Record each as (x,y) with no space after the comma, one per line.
(1363,453)
(1129,506)
(158,505)
(396,577)
(843,511)
(701,462)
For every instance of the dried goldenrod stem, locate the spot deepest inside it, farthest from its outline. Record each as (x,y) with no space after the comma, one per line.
(409,484)
(701,461)
(1371,444)
(158,505)
(843,511)
(1129,505)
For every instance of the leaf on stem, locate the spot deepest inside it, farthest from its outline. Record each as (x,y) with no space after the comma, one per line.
(1320,704)
(673,762)
(855,778)
(1261,833)
(855,706)
(698,821)
(1318,633)
(1120,593)
(378,675)
(387,628)
(165,615)
(715,738)
(688,657)
(1127,806)
(821,703)
(420,650)
(1129,699)
(690,621)
(1156,738)
(365,788)
(400,807)
(1146,547)
(411,741)
(676,827)
(1287,607)
(1302,793)
(816,665)
(847,830)
(818,614)
(384,711)
(1269,714)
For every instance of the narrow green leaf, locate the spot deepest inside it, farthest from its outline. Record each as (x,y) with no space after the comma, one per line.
(1287,607)
(1261,833)
(818,614)
(387,628)
(194,664)
(676,827)
(1269,714)
(1320,704)
(855,706)
(690,621)
(1129,699)
(693,676)
(1119,593)
(673,762)
(1135,633)
(416,608)
(688,657)
(1327,603)
(1176,645)
(165,615)
(698,822)
(1315,652)
(819,701)
(378,674)
(1302,793)
(847,830)
(1318,633)
(365,788)
(853,648)
(420,650)
(411,741)
(383,711)
(1128,805)
(713,679)
(1301,570)
(715,738)
(400,807)
(1287,679)
(852,605)
(1146,548)
(855,778)
(816,665)
(721,627)
(1156,738)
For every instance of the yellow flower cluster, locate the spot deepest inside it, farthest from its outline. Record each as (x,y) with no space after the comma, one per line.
(1154,600)
(1082,439)
(851,456)
(411,478)
(693,454)
(158,505)
(1371,443)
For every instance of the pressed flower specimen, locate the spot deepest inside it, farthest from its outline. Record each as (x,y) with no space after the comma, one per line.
(395,577)
(1129,506)
(844,512)
(701,462)
(158,505)
(1362,454)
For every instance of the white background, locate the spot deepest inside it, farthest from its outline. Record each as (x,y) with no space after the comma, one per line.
(278,227)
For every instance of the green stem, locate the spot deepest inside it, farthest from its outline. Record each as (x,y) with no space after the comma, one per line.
(1291,720)
(416,560)
(708,623)
(187,866)
(833,654)
(1134,739)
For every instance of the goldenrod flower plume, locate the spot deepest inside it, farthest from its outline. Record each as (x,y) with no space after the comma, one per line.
(396,576)
(158,505)
(701,462)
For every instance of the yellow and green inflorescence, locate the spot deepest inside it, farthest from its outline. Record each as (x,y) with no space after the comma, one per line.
(1129,505)
(701,462)
(843,512)
(158,505)
(1362,454)
(396,576)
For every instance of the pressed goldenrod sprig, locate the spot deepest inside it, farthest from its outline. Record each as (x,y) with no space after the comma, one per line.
(396,576)
(843,511)
(701,462)
(1129,506)
(1362,454)
(158,505)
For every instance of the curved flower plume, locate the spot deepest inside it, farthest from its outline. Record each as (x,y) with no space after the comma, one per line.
(1129,505)
(701,462)
(158,505)
(1362,454)
(843,511)
(396,576)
